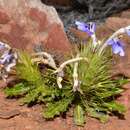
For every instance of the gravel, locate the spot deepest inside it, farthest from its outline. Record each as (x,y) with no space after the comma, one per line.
(70,17)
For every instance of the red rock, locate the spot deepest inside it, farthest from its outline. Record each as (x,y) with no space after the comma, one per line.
(103,32)
(114,23)
(125,14)
(26,23)
(4,18)
(54,34)
(79,34)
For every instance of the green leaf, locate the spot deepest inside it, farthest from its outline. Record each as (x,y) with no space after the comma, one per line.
(99,115)
(114,106)
(33,95)
(79,115)
(121,81)
(27,70)
(111,92)
(96,71)
(18,89)
(56,107)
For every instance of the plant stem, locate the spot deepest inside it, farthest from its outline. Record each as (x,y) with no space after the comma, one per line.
(50,60)
(69,62)
(75,76)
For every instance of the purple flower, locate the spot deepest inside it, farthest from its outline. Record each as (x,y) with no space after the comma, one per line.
(90,28)
(5,58)
(117,46)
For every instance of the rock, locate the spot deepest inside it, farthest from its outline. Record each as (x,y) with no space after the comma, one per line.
(79,34)
(25,24)
(125,96)
(111,25)
(114,23)
(125,14)
(9,114)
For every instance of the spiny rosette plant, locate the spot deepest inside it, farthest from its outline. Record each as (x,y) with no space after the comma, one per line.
(83,83)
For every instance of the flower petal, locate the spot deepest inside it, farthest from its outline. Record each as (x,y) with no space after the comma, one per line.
(6,57)
(122,53)
(110,41)
(82,28)
(128,32)
(89,28)
(78,23)
(117,47)
(127,29)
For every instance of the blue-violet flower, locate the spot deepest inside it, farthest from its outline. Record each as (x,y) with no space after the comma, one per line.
(117,46)
(5,58)
(89,28)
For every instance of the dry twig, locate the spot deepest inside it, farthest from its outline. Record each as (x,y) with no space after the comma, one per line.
(60,72)
(39,57)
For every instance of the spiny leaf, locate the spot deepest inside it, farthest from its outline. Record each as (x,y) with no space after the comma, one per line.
(96,71)
(26,69)
(32,96)
(18,89)
(99,115)
(109,92)
(79,118)
(121,81)
(56,108)
(115,106)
